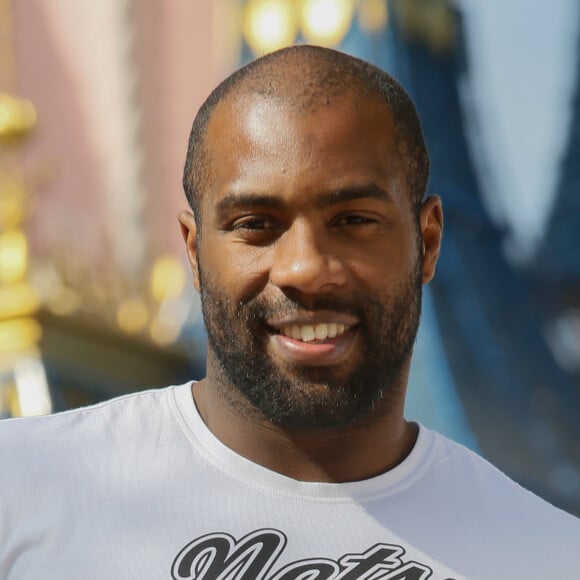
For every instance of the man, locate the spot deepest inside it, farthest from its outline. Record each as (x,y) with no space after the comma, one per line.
(309,240)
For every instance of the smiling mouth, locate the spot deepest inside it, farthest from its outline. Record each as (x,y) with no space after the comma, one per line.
(314,332)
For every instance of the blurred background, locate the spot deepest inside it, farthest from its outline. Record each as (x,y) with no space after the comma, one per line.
(96,103)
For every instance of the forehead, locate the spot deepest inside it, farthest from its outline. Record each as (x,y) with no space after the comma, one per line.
(264,142)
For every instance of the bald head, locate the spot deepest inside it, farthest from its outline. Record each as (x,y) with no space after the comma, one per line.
(305,79)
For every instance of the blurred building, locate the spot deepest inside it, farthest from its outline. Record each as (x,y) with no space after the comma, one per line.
(96,180)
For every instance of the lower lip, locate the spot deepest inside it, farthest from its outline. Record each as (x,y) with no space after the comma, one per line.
(315,353)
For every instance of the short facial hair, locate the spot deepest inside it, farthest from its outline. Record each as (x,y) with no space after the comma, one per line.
(314,397)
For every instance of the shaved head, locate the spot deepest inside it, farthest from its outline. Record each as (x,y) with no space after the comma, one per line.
(307,78)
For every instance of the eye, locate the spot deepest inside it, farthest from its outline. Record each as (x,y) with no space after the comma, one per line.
(255,230)
(254,223)
(354,220)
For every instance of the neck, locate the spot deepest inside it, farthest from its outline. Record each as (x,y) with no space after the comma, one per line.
(374,444)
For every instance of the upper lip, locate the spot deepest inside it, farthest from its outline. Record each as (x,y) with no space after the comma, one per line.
(313,318)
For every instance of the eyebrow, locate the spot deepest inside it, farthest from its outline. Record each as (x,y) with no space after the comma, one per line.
(323,200)
(352,193)
(248,201)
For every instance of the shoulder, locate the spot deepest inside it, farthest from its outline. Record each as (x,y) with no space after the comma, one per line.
(473,482)
(96,425)
(110,406)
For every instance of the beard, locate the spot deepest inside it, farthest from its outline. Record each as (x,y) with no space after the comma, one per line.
(313,397)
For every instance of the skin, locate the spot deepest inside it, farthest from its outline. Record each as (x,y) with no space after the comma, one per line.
(298,242)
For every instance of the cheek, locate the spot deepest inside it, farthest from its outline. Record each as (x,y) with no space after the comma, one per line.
(238,271)
(387,266)
(406,253)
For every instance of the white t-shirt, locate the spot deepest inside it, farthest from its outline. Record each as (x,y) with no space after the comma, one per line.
(139,488)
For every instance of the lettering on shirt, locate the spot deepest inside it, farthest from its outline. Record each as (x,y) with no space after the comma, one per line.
(219,556)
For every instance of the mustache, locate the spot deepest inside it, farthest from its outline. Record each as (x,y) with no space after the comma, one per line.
(259,309)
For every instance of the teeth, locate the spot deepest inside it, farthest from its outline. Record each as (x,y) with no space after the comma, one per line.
(321,331)
(309,332)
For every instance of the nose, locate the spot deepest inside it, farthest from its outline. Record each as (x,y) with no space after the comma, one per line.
(306,260)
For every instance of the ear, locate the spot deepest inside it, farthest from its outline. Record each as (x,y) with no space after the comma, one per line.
(189,233)
(431,222)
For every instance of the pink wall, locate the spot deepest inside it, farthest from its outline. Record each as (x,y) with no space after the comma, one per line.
(176,59)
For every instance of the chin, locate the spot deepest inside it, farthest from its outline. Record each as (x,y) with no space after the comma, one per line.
(314,405)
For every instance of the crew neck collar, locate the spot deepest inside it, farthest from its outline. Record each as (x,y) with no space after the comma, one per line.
(270,482)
